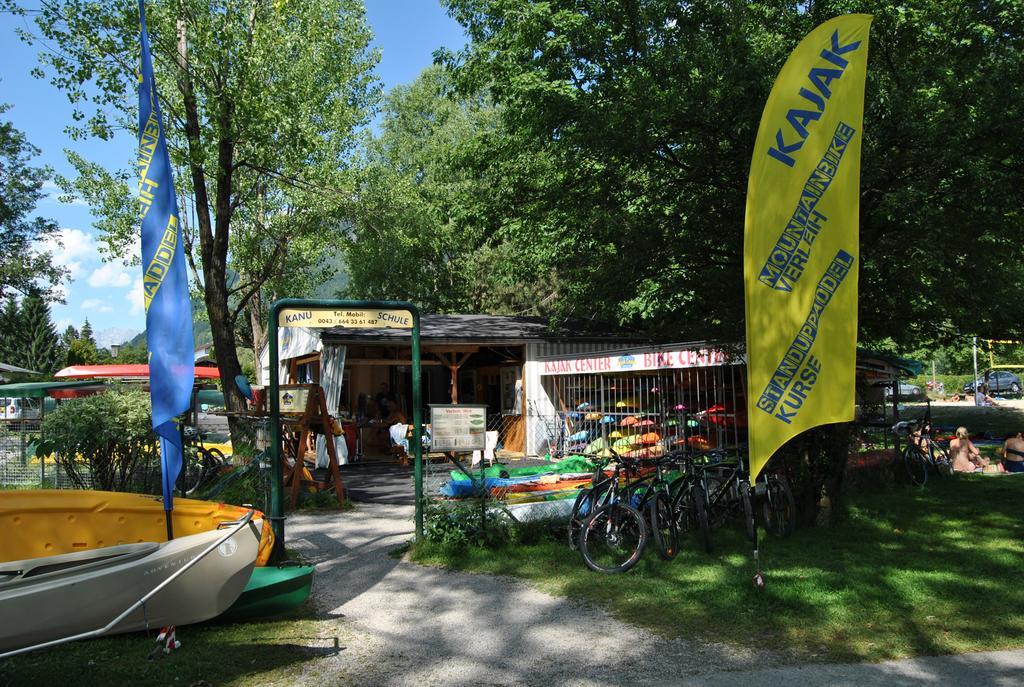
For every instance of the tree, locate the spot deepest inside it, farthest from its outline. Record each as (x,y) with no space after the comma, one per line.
(10,325)
(86,334)
(24,267)
(82,352)
(416,233)
(69,335)
(39,346)
(261,102)
(627,130)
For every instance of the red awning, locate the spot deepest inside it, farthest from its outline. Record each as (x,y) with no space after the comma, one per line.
(123,372)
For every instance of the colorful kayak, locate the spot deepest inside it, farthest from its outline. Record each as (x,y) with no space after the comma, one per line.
(272,590)
(48,522)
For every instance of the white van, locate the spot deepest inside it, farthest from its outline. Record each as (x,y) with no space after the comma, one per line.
(19,409)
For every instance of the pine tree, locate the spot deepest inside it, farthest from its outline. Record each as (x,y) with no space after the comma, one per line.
(9,330)
(70,334)
(87,333)
(39,347)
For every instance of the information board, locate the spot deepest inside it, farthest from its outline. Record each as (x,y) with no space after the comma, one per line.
(324,318)
(458,427)
(293,398)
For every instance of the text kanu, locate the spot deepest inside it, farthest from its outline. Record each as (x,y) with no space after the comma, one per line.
(820,79)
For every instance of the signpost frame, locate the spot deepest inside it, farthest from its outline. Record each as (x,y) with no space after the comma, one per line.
(389,314)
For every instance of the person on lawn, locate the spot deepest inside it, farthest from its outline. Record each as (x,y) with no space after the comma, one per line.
(966,456)
(1013,453)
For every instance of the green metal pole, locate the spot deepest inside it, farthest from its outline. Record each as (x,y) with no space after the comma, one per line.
(277,470)
(417,419)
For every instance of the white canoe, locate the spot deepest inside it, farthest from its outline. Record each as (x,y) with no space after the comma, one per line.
(48,599)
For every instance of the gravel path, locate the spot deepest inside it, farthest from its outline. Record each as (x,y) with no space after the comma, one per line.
(404,624)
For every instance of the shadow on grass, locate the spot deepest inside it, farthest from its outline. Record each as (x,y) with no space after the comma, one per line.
(912,572)
(211,654)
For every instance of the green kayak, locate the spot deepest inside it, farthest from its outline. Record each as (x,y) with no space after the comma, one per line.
(572,465)
(272,590)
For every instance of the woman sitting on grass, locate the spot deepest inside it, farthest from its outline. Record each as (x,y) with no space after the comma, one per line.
(1013,453)
(966,456)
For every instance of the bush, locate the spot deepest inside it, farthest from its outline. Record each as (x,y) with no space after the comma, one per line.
(471,522)
(106,436)
(953,384)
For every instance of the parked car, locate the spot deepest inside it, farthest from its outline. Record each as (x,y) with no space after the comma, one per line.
(908,392)
(999,382)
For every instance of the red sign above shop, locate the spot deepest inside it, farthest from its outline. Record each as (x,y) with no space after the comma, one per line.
(639,361)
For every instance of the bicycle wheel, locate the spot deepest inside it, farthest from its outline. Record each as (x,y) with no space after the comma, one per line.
(779,507)
(663,526)
(199,467)
(580,511)
(747,509)
(699,508)
(940,459)
(613,538)
(916,465)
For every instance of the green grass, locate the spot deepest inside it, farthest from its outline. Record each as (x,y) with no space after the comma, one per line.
(1004,419)
(254,653)
(911,572)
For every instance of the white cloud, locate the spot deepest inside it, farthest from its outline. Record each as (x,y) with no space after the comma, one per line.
(96,304)
(136,298)
(110,274)
(72,248)
(53,193)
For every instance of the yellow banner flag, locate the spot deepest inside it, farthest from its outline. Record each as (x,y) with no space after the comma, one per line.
(801,239)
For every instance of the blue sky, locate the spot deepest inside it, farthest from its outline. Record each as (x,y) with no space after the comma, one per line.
(109,294)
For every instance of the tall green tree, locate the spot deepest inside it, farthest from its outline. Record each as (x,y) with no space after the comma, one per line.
(37,346)
(417,232)
(86,334)
(24,266)
(628,127)
(10,326)
(261,101)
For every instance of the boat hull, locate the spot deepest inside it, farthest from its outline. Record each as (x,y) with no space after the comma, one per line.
(70,594)
(271,591)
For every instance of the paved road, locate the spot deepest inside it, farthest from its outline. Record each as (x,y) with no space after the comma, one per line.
(404,624)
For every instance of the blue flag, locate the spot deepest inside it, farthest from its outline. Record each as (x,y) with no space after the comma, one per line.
(164,280)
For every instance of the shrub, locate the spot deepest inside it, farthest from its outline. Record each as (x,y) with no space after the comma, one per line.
(472,522)
(107,436)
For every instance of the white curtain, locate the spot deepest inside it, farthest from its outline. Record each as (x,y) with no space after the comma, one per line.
(292,342)
(332,367)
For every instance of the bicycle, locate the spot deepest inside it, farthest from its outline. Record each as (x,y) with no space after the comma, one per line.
(200,464)
(652,495)
(610,533)
(922,453)
(779,506)
(728,491)
(689,500)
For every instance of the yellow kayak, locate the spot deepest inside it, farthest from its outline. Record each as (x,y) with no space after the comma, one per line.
(47,522)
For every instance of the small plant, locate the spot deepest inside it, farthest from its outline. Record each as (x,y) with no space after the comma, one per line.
(471,522)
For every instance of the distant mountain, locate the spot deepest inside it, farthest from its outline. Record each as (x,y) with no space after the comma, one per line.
(200,332)
(113,336)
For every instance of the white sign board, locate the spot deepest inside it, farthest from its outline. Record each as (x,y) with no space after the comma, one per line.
(661,359)
(458,427)
(347,317)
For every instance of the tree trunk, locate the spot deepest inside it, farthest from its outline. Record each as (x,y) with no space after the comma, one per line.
(257,322)
(213,237)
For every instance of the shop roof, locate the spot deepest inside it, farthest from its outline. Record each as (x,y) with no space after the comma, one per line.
(488,330)
(39,389)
